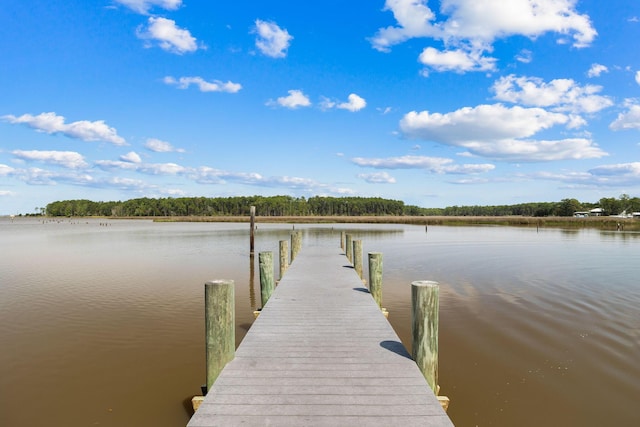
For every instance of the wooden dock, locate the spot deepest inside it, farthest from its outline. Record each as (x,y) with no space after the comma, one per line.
(321,353)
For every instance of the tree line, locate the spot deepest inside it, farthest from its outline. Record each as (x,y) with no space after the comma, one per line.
(322,206)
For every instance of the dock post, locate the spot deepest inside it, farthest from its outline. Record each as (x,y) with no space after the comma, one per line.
(357,257)
(342,238)
(375,277)
(424,329)
(296,244)
(349,247)
(284,257)
(220,328)
(252,225)
(265,260)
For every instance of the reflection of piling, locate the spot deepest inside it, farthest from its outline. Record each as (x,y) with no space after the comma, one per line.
(424,329)
(357,257)
(284,257)
(375,277)
(265,260)
(219,327)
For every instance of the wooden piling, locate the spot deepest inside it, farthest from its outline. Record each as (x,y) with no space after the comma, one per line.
(342,238)
(252,225)
(424,328)
(357,257)
(375,277)
(284,257)
(265,261)
(349,247)
(220,337)
(296,243)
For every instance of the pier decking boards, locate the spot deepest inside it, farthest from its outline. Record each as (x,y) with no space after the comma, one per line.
(321,353)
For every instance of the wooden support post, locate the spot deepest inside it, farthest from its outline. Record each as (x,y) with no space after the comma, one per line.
(296,243)
(284,257)
(342,237)
(265,260)
(357,257)
(252,225)
(375,277)
(220,328)
(349,247)
(424,328)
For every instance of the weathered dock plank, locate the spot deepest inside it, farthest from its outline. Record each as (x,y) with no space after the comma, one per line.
(320,354)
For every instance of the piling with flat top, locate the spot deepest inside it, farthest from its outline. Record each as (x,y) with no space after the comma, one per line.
(342,238)
(357,257)
(375,277)
(252,225)
(349,247)
(296,243)
(220,335)
(284,257)
(425,306)
(265,260)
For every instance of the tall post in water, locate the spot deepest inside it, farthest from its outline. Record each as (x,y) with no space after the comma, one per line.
(357,257)
(342,238)
(424,328)
(220,327)
(265,260)
(375,277)
(349,247)
(284,257)
(296,243)
(252,233)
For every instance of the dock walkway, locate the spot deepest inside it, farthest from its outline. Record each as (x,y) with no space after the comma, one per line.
(321,353)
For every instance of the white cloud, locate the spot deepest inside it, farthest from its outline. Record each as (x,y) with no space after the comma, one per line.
(203,85)
(630,119)
(596,70)
(159,146)
(562,95)
(498,132)
(143,6)
(168,36)
(471,27)
(6,170)
(131,157)
(67,159)
(355,103)
(525,56)
(638,77)
(295,99)
(377,178)
(432,164)
(457,60)
(146,168)
(272,40)
(51,123)
(6,193)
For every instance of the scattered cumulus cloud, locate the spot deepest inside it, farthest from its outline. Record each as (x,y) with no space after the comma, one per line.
(470,27)
(294,100)
(354,103)
(638,77)
(272,40)
(143,6)
(596,70)
(159,146)
(203,85)
(167,35)
(629,119)
(562,95)
(431,164)
(131,157)
(525,56)
(52,123)
(66,159)
(377,178)
(499,132)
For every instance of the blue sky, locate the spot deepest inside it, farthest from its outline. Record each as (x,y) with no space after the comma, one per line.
(436,103)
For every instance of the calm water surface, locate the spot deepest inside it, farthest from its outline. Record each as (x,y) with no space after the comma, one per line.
(101,322)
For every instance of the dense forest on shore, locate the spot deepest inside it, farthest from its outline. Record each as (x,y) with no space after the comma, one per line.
(321,206)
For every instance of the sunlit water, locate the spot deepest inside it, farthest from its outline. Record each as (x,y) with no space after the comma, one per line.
(101,321)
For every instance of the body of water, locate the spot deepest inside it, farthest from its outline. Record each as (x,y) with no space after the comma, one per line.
(102,321)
